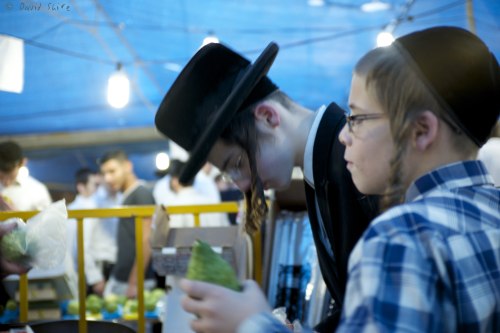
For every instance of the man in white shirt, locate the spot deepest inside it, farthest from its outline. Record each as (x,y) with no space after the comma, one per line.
(99,245)
(204,185)
(187,194)
(19,191)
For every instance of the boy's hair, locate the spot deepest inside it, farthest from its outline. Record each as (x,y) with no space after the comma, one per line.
(82,175)
(11,156)
(403,96)
(242,132)
(118,155)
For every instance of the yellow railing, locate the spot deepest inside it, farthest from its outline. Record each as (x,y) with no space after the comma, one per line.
(137,212)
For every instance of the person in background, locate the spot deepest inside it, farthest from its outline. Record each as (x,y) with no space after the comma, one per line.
(186,194)
(431,261)
(19,191)
(118,173)
(203,184)
(223,109)
(100,247)
(490,154)
(228,192)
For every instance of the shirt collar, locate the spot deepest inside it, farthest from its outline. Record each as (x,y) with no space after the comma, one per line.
(451,176)
(308,153)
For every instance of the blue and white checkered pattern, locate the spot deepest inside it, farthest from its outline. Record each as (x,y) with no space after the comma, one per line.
(432,264)
(429,265)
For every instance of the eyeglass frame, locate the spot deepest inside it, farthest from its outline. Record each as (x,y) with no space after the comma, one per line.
(369,116)
(349,119)
(234,173)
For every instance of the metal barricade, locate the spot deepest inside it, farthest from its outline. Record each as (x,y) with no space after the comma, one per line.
(138,213)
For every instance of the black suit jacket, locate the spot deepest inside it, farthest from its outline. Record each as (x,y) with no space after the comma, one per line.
(345,212)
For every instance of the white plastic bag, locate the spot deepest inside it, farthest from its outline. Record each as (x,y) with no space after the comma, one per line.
(45,242)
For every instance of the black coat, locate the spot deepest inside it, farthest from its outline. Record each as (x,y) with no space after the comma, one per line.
(345,212)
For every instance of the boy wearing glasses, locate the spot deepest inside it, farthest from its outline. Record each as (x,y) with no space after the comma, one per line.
(225,110)
(431,261)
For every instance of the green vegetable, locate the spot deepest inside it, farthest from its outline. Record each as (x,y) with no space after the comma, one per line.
(94,303)
(157,294)
(13,246)
(111,303)
(11,305)
(73,307)
(150,304)
(206,265)
(131,306)
(111,307)
(122,299)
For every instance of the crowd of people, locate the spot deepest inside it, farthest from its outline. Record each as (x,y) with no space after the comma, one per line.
(405,218)
(110,264)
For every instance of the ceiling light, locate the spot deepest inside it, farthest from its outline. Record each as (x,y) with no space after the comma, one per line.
(162,161)
(384,38)
(316,3)
(118,88)
(211,38)
(375,6)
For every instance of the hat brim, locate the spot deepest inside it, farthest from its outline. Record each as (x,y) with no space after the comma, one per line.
(253,74)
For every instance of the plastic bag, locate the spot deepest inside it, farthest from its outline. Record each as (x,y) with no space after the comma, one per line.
(45,241)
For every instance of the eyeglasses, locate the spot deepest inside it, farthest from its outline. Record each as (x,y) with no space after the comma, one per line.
(356,120)
(233,173)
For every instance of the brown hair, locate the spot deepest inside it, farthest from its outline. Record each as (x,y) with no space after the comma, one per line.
(242,131)
(403,96)
(11,156)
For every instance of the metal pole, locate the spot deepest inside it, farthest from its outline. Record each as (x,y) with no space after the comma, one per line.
(82,286)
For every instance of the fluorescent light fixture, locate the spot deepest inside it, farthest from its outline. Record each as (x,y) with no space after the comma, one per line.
(118,88)
(375,6)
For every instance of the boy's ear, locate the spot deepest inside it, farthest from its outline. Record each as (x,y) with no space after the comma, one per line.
(425,130)
(267,113)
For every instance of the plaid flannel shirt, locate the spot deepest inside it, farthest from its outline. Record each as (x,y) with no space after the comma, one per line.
(429,265)
(433,263)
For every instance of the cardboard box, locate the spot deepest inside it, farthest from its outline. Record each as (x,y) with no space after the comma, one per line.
(171,247)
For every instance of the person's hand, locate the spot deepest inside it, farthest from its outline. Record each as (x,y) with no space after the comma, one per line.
(98,288)
(131,291)
(219,309)
(5,204)
(7,267)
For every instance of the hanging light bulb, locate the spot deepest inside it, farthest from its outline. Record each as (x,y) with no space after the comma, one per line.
(375,6)
(211,38)
(384,38)
(118,88)
(316,3)
(162,161)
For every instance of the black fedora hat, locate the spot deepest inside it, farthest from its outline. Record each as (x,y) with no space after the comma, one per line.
(215,84)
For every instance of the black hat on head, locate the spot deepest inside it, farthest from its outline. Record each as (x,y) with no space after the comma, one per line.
(215,84)
(461,72)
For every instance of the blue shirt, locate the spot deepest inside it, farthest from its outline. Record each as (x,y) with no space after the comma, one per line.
(429,265)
